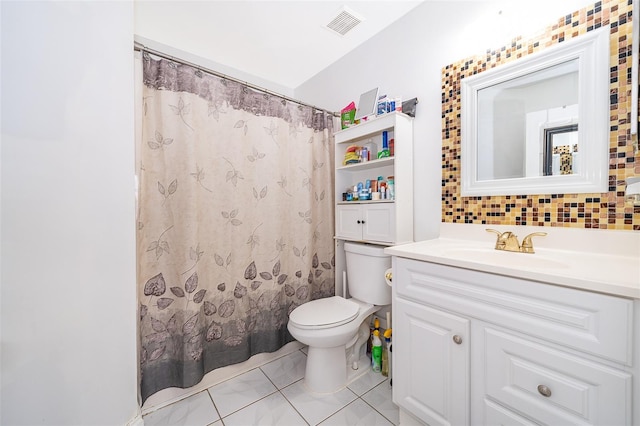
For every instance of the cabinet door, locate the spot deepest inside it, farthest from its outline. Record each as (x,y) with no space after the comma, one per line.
(349,221)
(430,368)
(378,222)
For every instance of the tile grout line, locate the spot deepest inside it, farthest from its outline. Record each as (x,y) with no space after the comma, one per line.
(245,406)
(189,395)
(293,406)
(341,408)
(214,404)
(249,405)
(279,390)
(260,399)
(378,411)
(374,408)
(284,396)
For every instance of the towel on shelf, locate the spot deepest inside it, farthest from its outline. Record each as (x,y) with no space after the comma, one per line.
(351,156)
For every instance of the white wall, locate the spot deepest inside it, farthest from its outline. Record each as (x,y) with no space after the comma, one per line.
(68,299)
(406,60)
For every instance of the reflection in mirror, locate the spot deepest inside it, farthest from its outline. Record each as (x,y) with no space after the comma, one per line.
(561,150)
(539,124)
(512,115)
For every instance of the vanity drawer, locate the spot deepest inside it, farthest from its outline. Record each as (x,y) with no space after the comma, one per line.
(552,386)
(495,414)
(598,324)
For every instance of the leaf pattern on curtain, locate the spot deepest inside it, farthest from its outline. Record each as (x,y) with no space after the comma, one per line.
(235,226)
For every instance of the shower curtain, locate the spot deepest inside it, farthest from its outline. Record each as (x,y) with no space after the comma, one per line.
(235,220)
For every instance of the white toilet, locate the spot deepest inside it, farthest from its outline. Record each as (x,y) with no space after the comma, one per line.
(334,325)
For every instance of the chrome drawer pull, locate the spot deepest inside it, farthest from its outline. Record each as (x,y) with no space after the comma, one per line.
(544,391)
(457,339)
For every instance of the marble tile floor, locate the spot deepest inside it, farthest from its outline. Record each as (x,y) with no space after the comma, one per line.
(273,394)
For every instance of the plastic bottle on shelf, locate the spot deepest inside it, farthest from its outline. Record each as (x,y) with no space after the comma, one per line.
(372,149)
(376,352)
(364,154)
(385,145)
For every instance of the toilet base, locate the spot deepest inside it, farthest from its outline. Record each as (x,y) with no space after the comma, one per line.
(320,379)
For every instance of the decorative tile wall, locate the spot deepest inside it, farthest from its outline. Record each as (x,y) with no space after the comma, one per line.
(603,211)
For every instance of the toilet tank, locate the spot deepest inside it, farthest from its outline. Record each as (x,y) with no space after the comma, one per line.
(366,265)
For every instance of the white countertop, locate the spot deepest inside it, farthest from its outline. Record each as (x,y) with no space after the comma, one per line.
(603,261)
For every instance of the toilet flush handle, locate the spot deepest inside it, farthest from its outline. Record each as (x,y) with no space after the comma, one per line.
(388,276)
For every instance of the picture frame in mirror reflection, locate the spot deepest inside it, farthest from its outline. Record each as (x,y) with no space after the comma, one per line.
(507,112)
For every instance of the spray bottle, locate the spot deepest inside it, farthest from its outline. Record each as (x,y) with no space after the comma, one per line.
(376,352)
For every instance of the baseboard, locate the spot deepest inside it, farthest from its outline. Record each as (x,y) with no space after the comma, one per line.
(137,420)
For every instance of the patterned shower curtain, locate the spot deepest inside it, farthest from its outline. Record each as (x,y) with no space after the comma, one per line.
(235,221)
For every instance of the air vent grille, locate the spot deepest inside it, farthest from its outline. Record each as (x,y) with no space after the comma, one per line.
(344,21)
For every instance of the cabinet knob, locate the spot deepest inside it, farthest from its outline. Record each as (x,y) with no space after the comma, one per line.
(359,221)
(544,391)
(457,339)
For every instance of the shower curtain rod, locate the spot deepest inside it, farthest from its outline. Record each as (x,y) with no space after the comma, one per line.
(141,47)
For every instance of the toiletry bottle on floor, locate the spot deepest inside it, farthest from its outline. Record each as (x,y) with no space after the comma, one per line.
(385,352)
(376,352)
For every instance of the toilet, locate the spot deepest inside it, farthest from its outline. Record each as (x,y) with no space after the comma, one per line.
(333,327)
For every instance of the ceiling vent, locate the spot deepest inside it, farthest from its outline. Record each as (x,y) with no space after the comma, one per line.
(343,21)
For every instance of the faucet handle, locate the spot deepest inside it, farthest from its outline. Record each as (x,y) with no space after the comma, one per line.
(501,240)
(527,244)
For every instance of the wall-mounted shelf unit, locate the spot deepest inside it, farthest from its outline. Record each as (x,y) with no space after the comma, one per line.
(382,222)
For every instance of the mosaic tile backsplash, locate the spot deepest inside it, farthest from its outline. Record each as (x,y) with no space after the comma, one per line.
(602,211)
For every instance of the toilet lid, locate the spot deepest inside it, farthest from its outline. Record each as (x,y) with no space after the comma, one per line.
(330,311)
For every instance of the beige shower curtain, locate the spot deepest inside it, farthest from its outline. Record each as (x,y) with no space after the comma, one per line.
(235,225)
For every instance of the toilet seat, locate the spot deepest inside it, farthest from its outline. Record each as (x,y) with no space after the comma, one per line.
(324,313)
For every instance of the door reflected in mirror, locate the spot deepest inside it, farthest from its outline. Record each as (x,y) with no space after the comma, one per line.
(513,116)
(561,150)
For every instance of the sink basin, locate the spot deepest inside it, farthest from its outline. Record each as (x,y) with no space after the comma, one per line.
(503,258)
(595,271)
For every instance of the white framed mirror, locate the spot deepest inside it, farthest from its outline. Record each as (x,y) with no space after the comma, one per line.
(539,124)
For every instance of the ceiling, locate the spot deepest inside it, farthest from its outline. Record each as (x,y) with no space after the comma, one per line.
(284,42)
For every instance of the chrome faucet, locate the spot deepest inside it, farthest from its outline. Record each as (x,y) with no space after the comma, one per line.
(508,241)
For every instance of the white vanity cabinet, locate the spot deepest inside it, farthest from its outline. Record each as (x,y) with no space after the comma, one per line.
(472,347)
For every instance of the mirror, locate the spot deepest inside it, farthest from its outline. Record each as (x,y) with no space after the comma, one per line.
(539,124)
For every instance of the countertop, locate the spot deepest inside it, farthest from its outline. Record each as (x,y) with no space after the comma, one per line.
(580,260)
